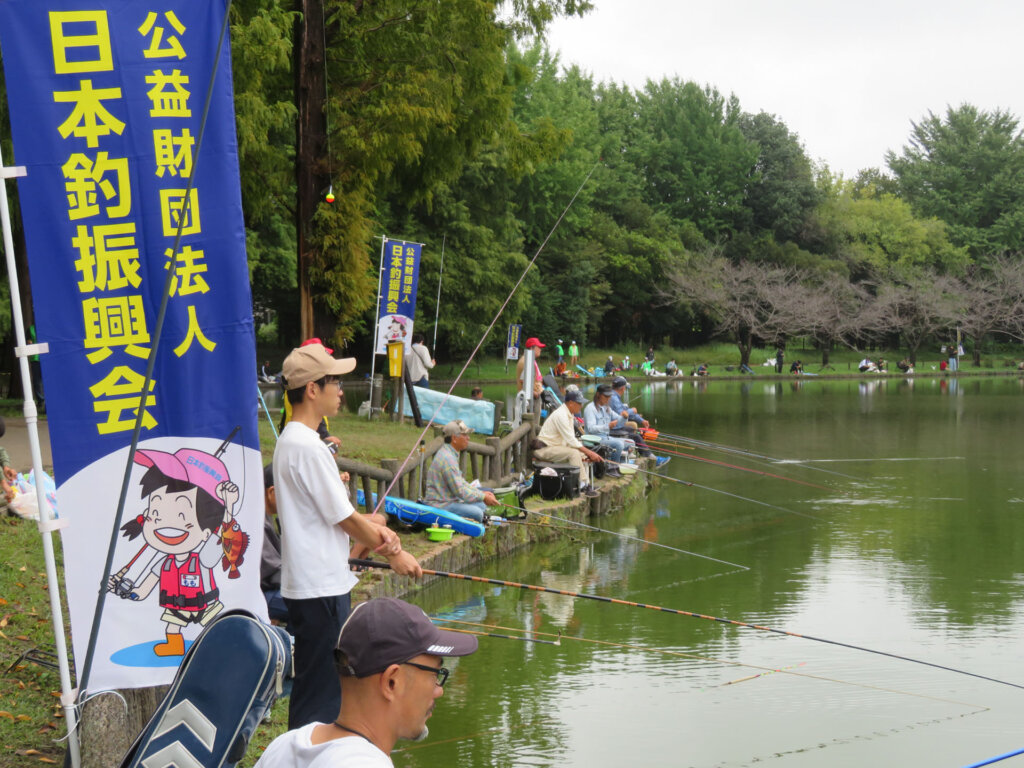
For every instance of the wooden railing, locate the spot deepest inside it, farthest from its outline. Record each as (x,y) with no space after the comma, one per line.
(495,463)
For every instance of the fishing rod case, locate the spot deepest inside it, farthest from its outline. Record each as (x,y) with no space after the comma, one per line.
(555,481)
(225,685)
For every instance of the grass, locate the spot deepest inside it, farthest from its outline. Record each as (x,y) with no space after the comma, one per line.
(30,713)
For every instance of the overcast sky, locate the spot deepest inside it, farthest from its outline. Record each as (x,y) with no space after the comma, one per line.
(847,77)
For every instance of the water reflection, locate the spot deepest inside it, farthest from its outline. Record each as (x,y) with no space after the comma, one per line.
(918,552)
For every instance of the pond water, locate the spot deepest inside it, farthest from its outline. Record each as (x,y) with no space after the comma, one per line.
(896,523)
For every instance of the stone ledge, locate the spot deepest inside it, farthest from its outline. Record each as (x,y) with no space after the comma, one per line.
(464,552)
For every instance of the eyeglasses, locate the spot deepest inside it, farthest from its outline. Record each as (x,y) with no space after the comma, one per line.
(441,672)
(330,382)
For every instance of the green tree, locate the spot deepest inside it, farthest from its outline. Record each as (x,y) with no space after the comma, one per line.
(873,232)
(967,169)
(782,194)
(695,159)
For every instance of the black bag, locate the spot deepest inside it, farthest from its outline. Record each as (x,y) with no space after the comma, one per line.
(604,451)
(226,683)
(564,484)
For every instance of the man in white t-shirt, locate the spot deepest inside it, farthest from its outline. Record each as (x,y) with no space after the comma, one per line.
(317,520)
(389,660)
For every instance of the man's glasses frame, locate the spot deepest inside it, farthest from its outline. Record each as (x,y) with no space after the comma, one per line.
(441,672)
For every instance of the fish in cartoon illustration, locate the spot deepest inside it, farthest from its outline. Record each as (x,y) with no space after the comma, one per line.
(235,543)
(189,523)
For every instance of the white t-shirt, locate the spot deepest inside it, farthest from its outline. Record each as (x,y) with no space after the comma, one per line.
(311,501)
(295,750)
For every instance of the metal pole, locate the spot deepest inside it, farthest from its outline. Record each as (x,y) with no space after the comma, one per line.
(437,309)
(47,525)
(376,322)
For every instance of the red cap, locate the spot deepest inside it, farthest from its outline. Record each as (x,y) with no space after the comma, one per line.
(315,340)
(533,341)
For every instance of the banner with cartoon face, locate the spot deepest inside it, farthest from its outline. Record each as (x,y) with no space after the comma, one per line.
(399,279)
(106,101)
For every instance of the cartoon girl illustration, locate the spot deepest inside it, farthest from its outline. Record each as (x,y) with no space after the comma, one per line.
(190,499)
(395,330)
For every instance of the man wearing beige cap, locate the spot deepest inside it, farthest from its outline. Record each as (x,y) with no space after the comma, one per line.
(317,522)
(390,660)
(446,487)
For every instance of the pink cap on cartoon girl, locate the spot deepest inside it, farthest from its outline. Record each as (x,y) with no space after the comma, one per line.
(199,468)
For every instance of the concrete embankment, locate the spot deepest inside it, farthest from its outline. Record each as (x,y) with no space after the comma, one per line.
(464,552)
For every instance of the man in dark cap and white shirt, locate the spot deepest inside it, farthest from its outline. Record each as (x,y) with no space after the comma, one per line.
(317,520)
(389,657)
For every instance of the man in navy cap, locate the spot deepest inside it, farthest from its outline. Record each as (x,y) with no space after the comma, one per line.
(389,656)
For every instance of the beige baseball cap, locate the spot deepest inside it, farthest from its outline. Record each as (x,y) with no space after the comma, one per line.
(311,363)
(456,427)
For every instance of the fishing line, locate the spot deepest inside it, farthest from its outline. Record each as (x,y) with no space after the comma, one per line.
(736,466)
(716,490)
(728,662)
(691,614)
(495,729)
(483,338)
(626,536)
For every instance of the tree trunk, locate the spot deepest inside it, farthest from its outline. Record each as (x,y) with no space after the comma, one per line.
(745,344)
(311,142)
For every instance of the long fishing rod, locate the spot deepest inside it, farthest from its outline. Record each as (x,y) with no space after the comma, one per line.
(661,447)
(624,536)
(728,662)
(483,338)
(691,614)
(741,452)
(437,305)
(718,490)
(503,637)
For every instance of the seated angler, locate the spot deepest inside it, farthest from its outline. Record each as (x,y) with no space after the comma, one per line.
(634,420)
(446,487)
(599,420)
(559,437)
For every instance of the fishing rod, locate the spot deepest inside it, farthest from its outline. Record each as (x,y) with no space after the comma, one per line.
(728,662)
(691,614)
(486,333)
(991,760)
(717,490)
(557,641)
(693,457)
(437,305)
(740,452)
(624,536)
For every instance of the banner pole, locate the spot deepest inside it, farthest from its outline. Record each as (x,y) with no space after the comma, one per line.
(376,323)
(47,525)
(437,308)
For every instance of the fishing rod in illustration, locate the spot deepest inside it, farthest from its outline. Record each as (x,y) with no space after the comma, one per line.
(625,536)
(690,614)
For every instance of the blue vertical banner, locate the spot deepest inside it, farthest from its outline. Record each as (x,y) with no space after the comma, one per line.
(397,309)
(106,100)
(515,333)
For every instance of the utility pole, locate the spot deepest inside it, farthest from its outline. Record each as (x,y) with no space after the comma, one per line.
(311,143)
